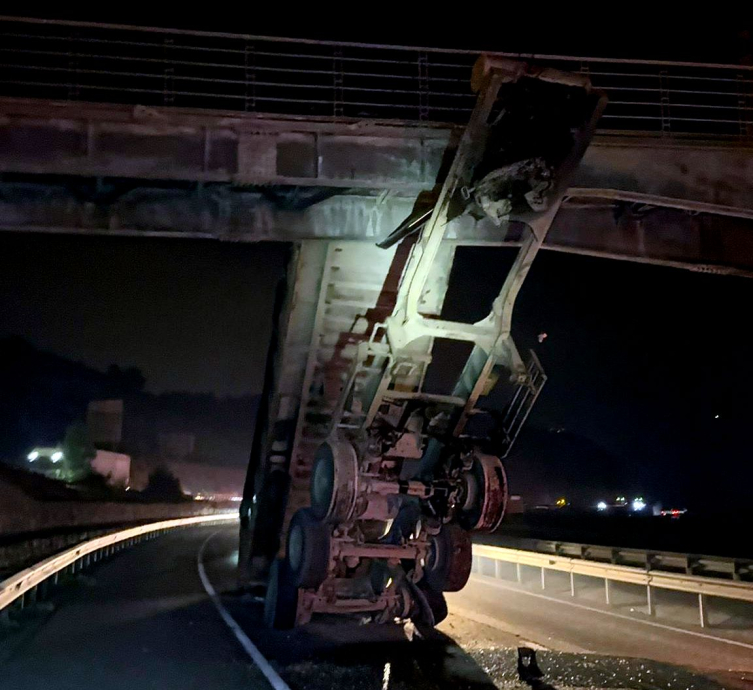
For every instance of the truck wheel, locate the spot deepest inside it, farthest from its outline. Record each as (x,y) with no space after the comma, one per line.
(308,549)
(281,601)
(334,481)
(430,605)
(485,494)
(448,565)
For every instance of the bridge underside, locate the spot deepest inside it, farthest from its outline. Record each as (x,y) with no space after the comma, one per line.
(122,170)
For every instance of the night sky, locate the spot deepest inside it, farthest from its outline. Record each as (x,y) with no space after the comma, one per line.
(192,315)
(605,32)
(641,359)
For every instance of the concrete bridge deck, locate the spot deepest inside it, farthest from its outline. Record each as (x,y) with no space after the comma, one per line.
(176,172)
(126,130)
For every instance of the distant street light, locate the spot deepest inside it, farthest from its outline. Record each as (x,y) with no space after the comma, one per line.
(33,456)
(56,456)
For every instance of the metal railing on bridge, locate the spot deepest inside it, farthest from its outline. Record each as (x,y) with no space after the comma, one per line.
(149,66)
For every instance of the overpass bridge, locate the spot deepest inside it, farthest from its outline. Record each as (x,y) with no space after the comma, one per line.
(110,129)
(115,130)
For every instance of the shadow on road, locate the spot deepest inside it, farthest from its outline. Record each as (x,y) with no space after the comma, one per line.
(336,653)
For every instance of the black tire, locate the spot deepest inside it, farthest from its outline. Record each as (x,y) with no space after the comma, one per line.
(448,566)
(307,549)
(323,482)
(334,481)
(281,601)
(431,607)
(487,501)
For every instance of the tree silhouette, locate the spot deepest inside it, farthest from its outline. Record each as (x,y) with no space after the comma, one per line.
(78,452)
(163,485)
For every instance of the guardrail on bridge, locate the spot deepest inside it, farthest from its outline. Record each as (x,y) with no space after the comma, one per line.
(155,66)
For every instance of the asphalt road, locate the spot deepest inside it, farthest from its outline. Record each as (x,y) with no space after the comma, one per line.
(477,645)
(140,620)
(143,620)
(585,624)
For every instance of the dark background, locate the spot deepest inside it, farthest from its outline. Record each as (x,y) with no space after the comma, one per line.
(616,31)
(641,359)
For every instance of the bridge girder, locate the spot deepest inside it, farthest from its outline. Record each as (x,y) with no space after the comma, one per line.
(590,225)
(121,170)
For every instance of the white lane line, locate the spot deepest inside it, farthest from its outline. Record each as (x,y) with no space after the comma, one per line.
(256,656)
(494,583)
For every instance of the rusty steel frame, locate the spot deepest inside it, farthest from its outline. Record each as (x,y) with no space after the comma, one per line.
(491,337)
(398,351)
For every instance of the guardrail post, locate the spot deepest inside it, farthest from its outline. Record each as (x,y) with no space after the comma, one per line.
(607,592)
(518,574)
(543,578)
(689,565)
(168,84)
(249,54)
(423,87)
(664,102)
(650,600)
(497,569)
(742,97)
(29,597)
(73,66)
(702,612)
(337,77)
(572,584)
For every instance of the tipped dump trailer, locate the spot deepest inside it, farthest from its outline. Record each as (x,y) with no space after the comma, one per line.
(364,487)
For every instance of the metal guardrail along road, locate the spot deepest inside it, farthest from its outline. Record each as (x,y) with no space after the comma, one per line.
(487,558)
(83,61)
(648,559)
(26,582)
